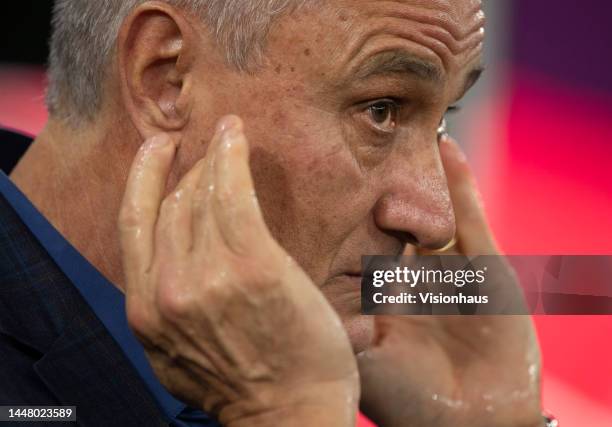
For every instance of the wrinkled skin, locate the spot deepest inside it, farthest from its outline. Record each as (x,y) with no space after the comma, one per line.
(333,183)
(224,313)
(345,162)
(455,371)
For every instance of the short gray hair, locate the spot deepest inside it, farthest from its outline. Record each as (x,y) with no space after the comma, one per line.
(84,34)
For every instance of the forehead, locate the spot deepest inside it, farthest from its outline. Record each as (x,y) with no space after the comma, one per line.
(433,45)
(449,32)
(449,13)
(446,33)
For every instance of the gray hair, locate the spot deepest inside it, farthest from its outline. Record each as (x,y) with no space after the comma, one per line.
(84,34)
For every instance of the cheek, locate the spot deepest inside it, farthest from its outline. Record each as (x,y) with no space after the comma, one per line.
(310,191)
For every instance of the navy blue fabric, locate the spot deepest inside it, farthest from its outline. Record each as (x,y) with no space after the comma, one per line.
(64,336)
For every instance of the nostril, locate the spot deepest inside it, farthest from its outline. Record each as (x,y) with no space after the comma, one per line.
(404,237)
(416,218)
(410,239)
(436,233)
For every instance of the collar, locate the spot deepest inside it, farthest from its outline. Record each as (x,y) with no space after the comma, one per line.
(106,301)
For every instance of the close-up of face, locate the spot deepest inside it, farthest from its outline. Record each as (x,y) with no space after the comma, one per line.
(324,211)
(342,117)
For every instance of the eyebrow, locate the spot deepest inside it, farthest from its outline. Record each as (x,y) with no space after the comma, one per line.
(400,62)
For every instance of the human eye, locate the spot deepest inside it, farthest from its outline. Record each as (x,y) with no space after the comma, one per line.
(383,114)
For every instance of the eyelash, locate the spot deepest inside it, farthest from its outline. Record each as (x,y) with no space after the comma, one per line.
(397,106)
(394,103)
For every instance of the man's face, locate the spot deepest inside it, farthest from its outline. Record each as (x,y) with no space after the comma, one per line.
(342,120)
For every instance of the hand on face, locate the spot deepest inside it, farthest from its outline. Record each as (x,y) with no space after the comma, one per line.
(229,322)
(454,370)
(226,317)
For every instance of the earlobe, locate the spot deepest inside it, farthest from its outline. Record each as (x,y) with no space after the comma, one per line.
(155,59)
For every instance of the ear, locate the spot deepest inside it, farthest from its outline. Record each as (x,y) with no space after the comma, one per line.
(156,54)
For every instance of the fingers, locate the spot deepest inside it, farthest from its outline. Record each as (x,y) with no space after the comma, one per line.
(139,209)
(174,226)
(218,190)
(474,236)
(235,205)
(205,188)
(226,194)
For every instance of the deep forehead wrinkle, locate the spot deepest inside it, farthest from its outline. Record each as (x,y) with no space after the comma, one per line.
(443,14)
(445,30)
(401,62)
(436,29)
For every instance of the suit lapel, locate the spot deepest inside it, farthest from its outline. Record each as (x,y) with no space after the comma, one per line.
(86,368)
(80,362)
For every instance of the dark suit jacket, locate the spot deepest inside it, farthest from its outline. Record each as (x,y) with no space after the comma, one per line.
(53,349)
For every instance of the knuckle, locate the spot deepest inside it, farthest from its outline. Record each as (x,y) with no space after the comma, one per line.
(129,217)
(139,317)
(265,283)
(224,195)
(263,274)
(173,304)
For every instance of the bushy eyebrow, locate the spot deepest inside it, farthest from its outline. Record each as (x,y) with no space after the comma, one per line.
(402,62)
(398,62)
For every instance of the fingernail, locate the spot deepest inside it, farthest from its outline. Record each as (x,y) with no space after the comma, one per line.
(231,133)
(229,138)
(229,122)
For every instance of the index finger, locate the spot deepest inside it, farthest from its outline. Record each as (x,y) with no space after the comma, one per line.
(140,206)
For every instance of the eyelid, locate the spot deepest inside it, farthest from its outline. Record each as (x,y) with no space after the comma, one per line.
(394,104)
(396,101)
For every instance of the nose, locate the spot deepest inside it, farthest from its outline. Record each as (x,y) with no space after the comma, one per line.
(415,203)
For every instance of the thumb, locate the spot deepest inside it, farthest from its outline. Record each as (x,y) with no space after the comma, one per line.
(474,237)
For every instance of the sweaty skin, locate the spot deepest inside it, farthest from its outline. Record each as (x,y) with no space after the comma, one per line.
(224,313)
(333,183)
(341,118)
(334,180)
(455,371)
